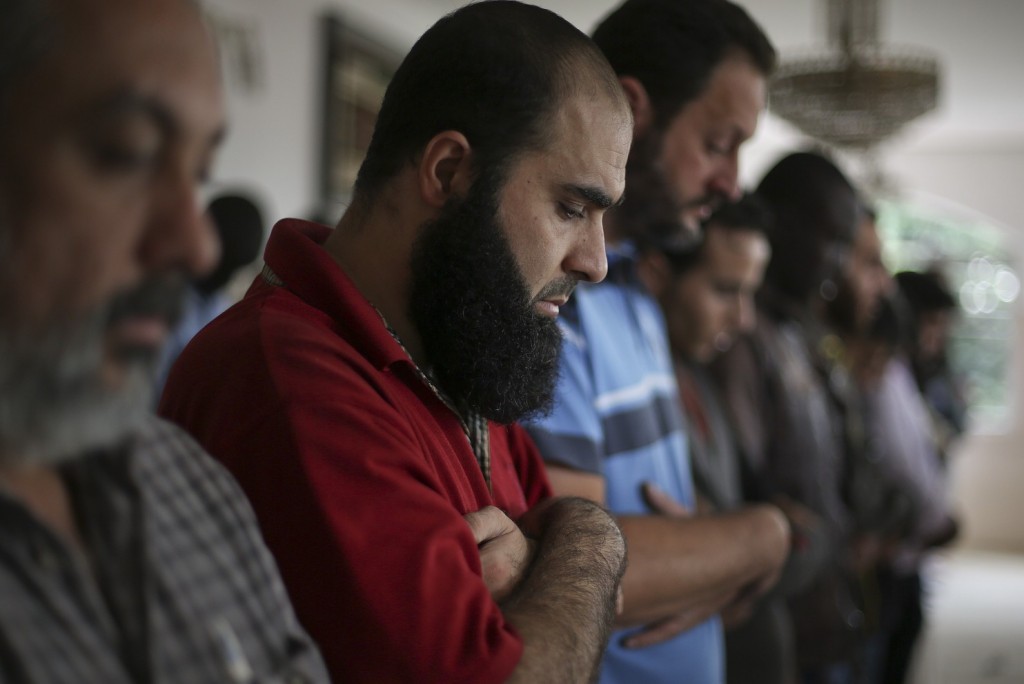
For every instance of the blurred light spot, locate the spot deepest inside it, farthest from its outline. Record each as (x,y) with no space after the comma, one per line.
(1006,284)
(981,269)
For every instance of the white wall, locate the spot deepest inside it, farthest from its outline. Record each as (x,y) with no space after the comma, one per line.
(988,479)
(274,131)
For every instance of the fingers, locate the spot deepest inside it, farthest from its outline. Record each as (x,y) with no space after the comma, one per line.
(504,562)
(737,613)
(798,514)
(661,503)
(489,523)
(663,630)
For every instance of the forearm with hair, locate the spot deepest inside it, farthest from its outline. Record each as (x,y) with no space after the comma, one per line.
(565,606)
(680,563)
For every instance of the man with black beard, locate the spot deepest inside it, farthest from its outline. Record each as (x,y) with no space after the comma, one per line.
(110,113)
(363,391)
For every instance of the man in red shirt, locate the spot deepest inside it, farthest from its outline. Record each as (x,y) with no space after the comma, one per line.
(364,392)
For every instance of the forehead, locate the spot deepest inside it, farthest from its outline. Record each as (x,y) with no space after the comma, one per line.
(100,49)
(588,139)
(727,247)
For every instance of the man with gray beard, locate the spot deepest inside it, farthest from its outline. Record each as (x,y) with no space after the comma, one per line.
(126,554)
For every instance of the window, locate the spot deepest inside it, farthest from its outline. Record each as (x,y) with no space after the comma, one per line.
(972,255)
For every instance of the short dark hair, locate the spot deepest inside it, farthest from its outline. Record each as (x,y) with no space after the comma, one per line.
(925,292)
(239,223)
(891,323)
(746,214)
(815,208)
(494,71)
(673,46)
(24,32)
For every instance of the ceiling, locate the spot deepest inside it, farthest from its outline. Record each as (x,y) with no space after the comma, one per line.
(979,46)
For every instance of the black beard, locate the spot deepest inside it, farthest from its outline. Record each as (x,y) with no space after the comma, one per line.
(841,312)
(650,214)
(488,349)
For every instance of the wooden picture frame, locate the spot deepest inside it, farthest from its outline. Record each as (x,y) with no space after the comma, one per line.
(357,70)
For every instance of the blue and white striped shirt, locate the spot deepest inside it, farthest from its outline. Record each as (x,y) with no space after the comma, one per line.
(617,414)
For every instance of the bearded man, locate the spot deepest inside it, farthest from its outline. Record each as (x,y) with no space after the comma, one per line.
(363,391)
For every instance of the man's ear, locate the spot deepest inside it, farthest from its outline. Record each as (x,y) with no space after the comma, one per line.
(445,168)
(655,272)
(639,103)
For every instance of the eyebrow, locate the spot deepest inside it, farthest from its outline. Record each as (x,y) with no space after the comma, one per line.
(131,101)
(593,195)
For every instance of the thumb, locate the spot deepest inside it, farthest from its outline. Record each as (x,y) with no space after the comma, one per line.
(660,502)
(488,523)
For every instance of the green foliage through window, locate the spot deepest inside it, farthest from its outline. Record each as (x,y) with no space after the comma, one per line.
(979,270)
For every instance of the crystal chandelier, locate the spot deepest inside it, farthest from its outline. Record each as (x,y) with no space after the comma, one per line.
(858,93)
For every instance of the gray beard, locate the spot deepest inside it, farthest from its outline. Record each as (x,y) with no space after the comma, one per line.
(54,405)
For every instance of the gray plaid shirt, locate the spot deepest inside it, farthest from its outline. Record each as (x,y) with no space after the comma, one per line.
(177,585)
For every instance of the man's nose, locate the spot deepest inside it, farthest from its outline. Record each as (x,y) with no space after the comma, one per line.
(725,182)
(746,317)
(179,234)
(587,259)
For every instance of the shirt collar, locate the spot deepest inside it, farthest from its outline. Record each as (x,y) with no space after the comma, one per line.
(295,255)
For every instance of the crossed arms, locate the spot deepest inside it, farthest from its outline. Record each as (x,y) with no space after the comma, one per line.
(560,591)
(685,568)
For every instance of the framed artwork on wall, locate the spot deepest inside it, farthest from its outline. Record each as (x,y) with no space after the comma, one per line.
(357,71)
(242,51)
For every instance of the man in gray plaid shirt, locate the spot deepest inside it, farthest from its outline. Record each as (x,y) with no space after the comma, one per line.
(126,554)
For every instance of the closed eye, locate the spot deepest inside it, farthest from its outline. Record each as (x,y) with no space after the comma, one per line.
(727,289)
(115,157)
(570,212)
(720,150)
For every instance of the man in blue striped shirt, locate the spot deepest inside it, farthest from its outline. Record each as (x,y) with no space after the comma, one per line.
(695,76)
